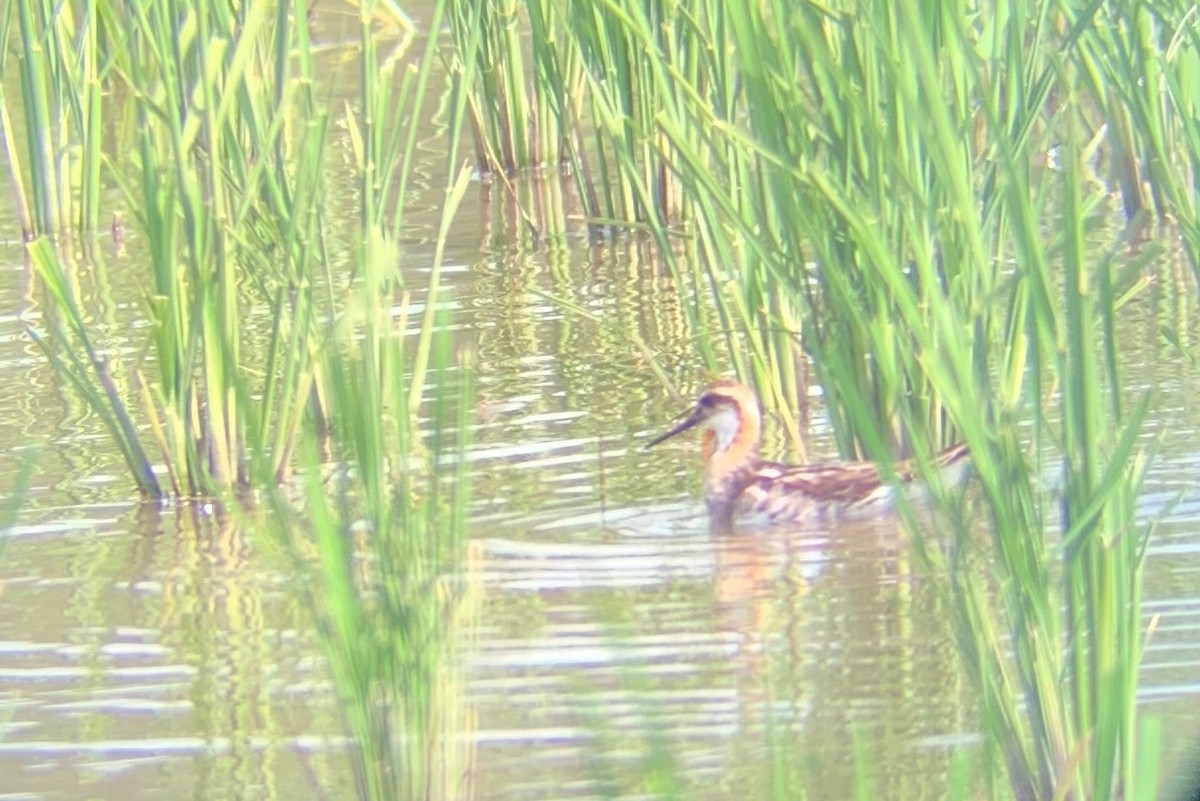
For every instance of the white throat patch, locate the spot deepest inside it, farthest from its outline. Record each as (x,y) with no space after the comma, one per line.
(725,425)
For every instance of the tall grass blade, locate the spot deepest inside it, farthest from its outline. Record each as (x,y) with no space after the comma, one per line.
(870,183)
(77,359)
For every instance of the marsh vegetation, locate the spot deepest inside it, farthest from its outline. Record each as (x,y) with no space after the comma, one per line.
(928,216)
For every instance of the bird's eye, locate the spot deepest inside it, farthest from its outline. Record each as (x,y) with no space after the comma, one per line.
(713,402)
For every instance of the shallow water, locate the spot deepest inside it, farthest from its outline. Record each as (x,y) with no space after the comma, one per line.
(149,652)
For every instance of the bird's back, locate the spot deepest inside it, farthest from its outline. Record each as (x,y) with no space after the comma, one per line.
(774,492)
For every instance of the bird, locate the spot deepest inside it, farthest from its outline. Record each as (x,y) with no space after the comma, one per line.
(742,489)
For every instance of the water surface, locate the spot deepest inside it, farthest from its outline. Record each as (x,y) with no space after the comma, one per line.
(147,652)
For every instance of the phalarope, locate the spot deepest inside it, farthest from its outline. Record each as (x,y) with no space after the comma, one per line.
(740,487)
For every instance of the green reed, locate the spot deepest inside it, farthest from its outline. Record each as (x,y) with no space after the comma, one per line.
(58,63)
(208,197)
(382,542)
(384,143)
(626,167)
(907,192)
(227,184)
(487,36)
(941,302)
(379,529)
(1139,64)
(83,364)
(224,182)
(384,146)
(1054,644)
(586,100)
(658,82)
(381,521)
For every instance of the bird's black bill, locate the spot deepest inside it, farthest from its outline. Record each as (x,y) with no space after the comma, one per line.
(693,419)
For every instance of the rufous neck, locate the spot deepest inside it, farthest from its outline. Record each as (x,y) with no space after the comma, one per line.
(731,440)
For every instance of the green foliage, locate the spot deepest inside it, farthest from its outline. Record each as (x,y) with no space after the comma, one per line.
(60,95)
(382,537)
(224,189)
(907,193)
(382,136)
(84,366)
(902,194)
(513,128)
(381,540)
(226,184)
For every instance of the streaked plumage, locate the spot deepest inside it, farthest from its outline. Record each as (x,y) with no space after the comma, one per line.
(740,487)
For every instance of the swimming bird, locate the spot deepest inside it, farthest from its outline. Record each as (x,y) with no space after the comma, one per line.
(742,488)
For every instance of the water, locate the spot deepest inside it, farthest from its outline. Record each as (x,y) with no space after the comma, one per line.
(149,652)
